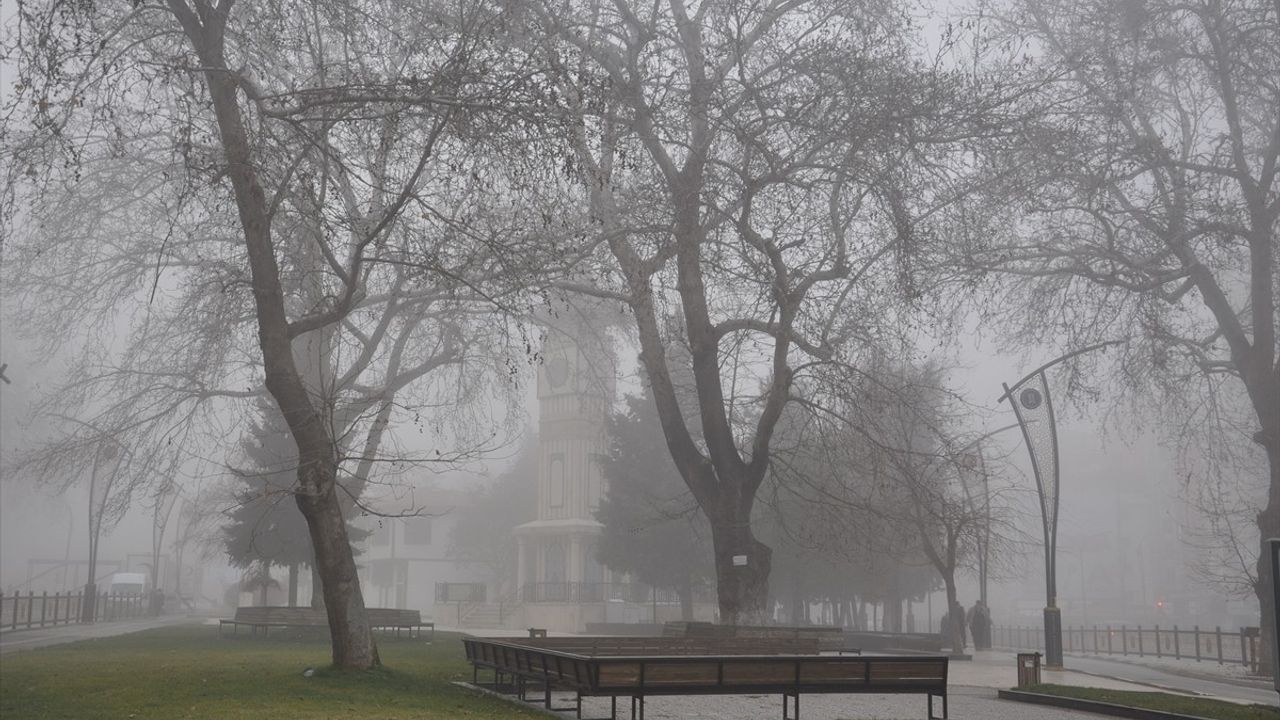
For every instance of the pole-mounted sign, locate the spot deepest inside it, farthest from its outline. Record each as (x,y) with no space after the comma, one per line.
(1033,407)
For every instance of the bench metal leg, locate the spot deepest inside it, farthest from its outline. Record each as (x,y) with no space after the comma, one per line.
(637,699)
(785,706)
(944,708)
(613,707)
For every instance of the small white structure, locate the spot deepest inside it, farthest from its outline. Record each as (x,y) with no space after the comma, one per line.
(128,583)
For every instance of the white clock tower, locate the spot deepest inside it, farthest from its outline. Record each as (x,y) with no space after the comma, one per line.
(561,583)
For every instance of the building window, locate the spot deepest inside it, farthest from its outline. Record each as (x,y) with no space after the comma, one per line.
(417,531)
(556,478)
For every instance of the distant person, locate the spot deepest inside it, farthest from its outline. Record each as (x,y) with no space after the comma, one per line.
(157,601)
(980,625)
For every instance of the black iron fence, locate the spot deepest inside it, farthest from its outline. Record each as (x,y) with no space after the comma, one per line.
(20,611)
(1238,646)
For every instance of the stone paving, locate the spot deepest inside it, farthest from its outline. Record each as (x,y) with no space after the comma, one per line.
(964,703)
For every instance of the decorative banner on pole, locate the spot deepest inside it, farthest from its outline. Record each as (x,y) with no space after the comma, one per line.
(1034,410)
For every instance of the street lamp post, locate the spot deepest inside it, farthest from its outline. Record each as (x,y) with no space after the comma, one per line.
(1034,409)
(89,601)
(976,462)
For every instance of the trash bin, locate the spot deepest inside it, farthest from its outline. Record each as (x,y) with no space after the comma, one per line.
(1028,670)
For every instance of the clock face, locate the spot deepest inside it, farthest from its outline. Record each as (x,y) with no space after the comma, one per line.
(1031,398)
(557,371)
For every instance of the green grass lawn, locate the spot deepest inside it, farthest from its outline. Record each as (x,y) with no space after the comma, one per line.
(1202,707)
(190,672)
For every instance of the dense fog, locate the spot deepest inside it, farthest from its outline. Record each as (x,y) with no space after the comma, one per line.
(572,315)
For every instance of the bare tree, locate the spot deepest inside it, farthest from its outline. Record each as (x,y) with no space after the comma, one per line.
(326,156)
(747,168)
(1146,202)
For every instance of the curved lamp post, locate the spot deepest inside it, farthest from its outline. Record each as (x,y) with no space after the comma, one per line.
(976,463)
(108,452)
(89,601)
(1034,410)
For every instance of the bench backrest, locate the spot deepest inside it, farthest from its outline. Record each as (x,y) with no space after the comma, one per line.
(824,673)
(281,615)
(393,617)
(725,672)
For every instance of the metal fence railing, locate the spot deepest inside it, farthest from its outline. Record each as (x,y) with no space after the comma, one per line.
(1200,644)
(20,611)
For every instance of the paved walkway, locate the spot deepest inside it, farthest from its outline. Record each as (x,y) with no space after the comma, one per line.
(964,703)
(15,640)
(1180,682)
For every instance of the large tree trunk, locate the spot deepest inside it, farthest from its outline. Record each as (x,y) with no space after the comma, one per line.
(317,588)
(349,632)
(352,642)
(1268,527)
(893,614)
(796,601)
(742,590)
(686,598)
(955,612)
(1264,389)
(293,585)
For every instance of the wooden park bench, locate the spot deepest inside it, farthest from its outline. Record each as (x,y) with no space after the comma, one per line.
(264,617)
(722,666)
(411,620)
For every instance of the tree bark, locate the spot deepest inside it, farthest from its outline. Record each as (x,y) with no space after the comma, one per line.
(1268,527)
(955,611)
(317,589)
(293,584)
(742,590)
(796,600)
(893,614)
(686,598)
(350,636)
